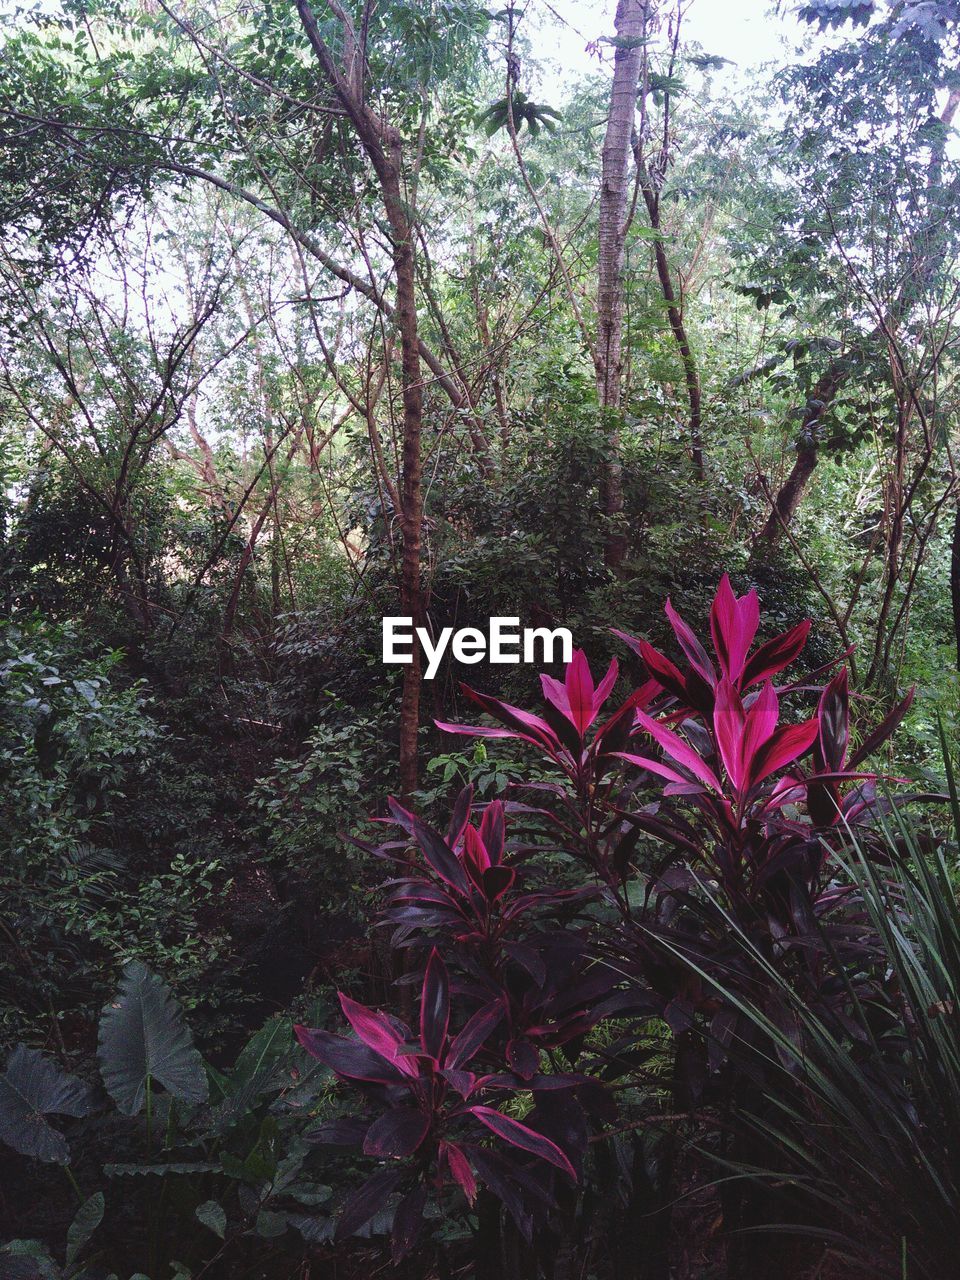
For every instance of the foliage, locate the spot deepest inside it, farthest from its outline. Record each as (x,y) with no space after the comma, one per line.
(215,1165)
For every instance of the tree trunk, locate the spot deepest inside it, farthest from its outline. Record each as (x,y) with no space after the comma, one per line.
(955,579)
(411,489)
(630,25)
(383,146)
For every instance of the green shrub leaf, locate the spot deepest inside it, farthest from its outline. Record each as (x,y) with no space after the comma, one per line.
(211,1214)
(89,1216)
(143,1037)
(31,1089)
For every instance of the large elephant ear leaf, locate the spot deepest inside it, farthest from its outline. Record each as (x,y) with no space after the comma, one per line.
(142,1038)
(32,1088)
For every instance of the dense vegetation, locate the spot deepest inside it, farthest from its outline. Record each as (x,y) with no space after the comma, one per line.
(646,968)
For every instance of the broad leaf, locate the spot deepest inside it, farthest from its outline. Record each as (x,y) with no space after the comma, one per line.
(143,1037)
(212,1215)
(88,1218)
(31,1089)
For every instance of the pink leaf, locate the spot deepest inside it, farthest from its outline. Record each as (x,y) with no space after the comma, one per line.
(759,725)
(733,625)
(605,687)
(657,767)
(556,694)
(775,655)
(493,831)
(434,1007)
(375,1030)
(678,750)
(787,744)
(475,856)
(519,1135)
(691,646)
(728,727)
(580,691)
(460,1170)
(663,670)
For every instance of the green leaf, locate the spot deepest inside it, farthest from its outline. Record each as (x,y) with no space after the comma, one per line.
(270,1225)
(158,1170)
(211,1214)
(31,1089)
(143,1037)
(89,1216)
(27,1260)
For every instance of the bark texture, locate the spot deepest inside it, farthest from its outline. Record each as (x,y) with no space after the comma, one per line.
(382,144)
(631,20)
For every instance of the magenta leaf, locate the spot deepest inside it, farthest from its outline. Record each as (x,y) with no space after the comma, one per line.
(678,750)
(349,1058)
(728,727)
(526,1139)
(733,625)
(663,670)
(496,882)
(432,845)
(787,744)
(460,1170)
(396,1133)
(493,831)
(695,653)
(476,1032)
(434,1006)
(654,766)
(377,1032)
(775,655)
(580,691)
(833,714)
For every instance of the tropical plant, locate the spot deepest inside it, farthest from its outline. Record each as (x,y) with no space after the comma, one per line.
(861,1112)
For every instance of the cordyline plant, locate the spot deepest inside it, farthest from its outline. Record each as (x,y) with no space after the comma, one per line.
(521,993)
(431,1108)
(749,805)
(746,808)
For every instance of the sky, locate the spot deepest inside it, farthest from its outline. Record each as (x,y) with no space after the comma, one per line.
(746,32)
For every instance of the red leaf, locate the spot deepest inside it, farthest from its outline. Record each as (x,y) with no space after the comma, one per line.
(580,691)
(434,1006)
(728,728)
(475,856)
(396,1133)
(350,1058)
(460,1170)
(691,646)
(788,744)
(515,718)
(526,1139)
(466,1043)
(376,1031)
(663,670)
(833,716)
(493,831)
(496,882)
(775,655)
(733,625)
(678,750)
(654,766)
(432,845)
(605,687)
